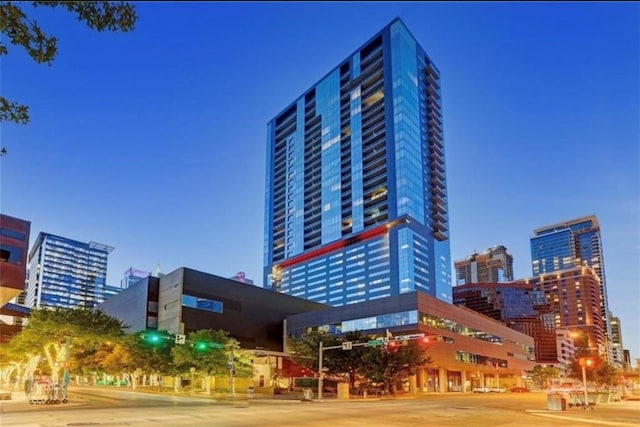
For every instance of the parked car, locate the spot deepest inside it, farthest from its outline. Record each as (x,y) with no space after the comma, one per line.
(481,390)
(519,390)
(498,390)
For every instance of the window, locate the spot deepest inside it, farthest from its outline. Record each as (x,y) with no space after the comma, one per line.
(202,303)
(10,254)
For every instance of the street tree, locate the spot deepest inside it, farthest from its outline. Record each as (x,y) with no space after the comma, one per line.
(394,362)
(542,375)
(23,30)
(66,335)
(209,352)
(600,373)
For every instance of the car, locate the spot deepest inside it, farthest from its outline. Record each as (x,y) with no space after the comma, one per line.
(498,390)
(519,390)
(481,390)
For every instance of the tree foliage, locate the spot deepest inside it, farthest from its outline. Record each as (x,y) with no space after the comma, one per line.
(51,332)
(25,32)
(602,374)
(387,365)
(541,375)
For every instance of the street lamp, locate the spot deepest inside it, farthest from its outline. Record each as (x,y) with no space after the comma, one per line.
(584,363)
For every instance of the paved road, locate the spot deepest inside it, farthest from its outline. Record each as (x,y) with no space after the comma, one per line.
(117,407)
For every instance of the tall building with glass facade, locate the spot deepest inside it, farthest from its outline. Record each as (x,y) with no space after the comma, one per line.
(66,273)
(356,193)
(568,244)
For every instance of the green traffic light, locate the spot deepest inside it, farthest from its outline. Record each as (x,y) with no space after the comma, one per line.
(202,346)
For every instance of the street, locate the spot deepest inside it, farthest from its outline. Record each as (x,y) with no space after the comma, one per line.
(115,407)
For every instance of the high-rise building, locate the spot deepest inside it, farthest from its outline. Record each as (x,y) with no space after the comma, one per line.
(575,299)
(616,343)
(521,306)
(568,244)
(132,276)
(494,265)
(66,273)
(356,193)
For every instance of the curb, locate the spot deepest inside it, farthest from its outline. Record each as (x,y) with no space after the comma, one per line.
(548,414)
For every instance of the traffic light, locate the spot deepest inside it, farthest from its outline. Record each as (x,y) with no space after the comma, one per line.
(201,346)
(152,337)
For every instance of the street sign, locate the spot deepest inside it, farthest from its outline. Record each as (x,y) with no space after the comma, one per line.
(375,343)
(409,337)
(180,338)
(347,345)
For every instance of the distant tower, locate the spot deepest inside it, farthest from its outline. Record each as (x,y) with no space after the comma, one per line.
(66,273)
(494,265)
(132,276)
(573,243)
(241,277)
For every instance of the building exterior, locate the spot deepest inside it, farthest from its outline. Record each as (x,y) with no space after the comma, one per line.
(568,244)
(566,350)
(241,277)
(66,273)
(14,247)
(476,350)
(616,343)
(575,299)
(356,193)
(187,300)
(131,276)
(492,266)
(521,306)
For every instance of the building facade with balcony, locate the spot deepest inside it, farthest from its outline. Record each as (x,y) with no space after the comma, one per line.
(356,190)
(66,273)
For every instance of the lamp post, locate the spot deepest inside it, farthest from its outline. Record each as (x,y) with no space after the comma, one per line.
(584,362)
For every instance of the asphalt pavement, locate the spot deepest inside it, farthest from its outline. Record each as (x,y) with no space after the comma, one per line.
(625,413)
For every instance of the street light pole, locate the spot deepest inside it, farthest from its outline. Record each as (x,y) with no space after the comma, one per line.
(320,372)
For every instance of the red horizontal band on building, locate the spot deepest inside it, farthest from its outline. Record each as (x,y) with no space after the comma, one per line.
(365,235)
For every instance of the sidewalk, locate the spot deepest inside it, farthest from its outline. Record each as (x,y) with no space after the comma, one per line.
(620,414)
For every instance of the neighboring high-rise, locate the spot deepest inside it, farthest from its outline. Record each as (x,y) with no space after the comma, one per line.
(575,299)
(66,273)
(356,191)
(132,276)
(568,244)
(616,343)
(494,265)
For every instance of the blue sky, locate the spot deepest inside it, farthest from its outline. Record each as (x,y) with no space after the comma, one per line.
(154,141)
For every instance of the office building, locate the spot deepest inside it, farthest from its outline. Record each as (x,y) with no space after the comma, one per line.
(356,190)
(616,343)
(494,265)
(131,276)
(569,244)
(521,306)
(66,273)
(474,350)
(575,299)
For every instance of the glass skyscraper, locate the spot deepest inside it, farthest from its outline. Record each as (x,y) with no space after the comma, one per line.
(569,244)
(356,192)
(66,273)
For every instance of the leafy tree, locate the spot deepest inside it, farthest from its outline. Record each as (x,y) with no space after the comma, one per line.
(209,352)
(602,374)
(387,365)
(394,362)
(541,375)
(22,31)
(53,332)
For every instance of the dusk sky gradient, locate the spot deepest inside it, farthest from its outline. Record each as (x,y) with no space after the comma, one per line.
(154,141)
